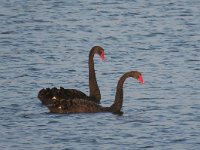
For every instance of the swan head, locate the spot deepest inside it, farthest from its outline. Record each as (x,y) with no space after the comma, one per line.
(137,75)
(100,51)
(140,78)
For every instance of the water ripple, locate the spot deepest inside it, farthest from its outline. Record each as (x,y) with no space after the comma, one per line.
(46,44)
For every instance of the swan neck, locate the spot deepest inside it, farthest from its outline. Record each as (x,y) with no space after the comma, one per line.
(93,86)
(116,107)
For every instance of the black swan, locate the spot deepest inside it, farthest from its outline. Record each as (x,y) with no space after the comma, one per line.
(85,106)
(46,96)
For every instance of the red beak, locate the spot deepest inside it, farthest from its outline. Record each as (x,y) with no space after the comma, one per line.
(141,79)
(102,56)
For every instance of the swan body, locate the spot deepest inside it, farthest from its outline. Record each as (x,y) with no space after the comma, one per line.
(46,95)
(84,106)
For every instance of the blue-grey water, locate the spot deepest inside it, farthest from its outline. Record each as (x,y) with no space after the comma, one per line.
(46,44)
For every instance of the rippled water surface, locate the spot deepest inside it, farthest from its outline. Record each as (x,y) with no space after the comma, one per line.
(46,44)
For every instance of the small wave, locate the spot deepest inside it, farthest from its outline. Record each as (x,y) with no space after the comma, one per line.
(8,32)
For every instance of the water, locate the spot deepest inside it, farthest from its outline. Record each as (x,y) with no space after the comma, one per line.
(46,44)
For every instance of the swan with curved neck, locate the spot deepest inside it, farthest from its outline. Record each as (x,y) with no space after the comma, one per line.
(46,96)
(93,86)
(85,106)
